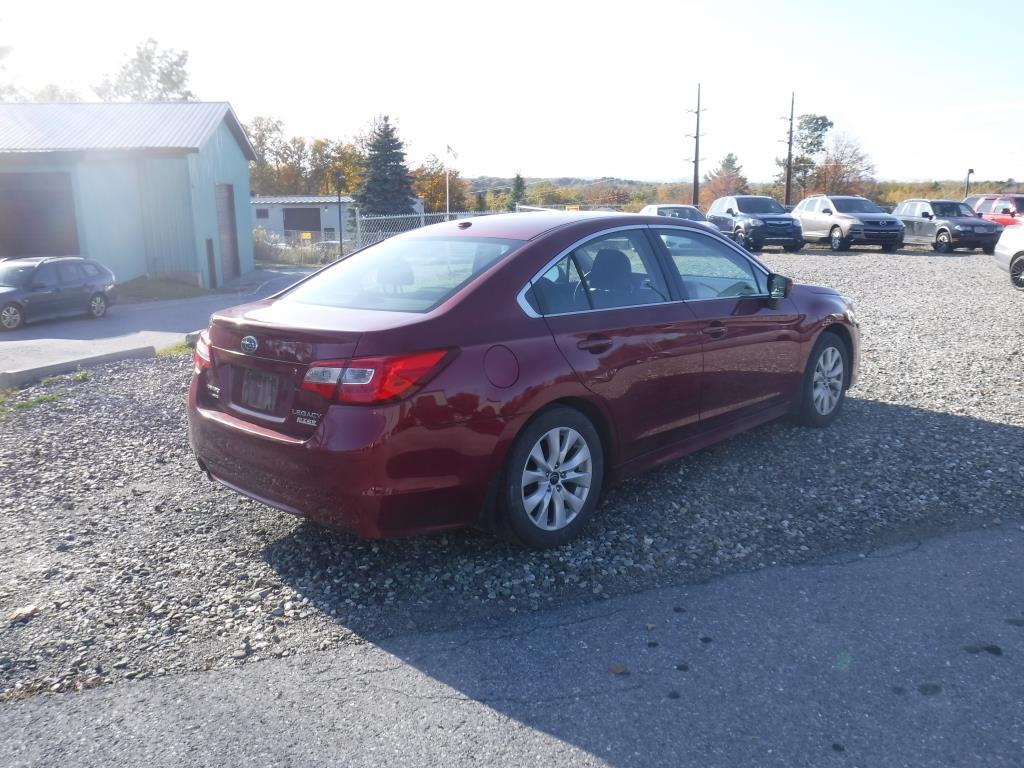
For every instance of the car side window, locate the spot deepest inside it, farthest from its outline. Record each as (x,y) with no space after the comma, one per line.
(620,270)
(813,206)
(68,274)
(715,206)
(91,270)
(559,290)
(987,205)
(45,276)
(1004,204)
(710,269)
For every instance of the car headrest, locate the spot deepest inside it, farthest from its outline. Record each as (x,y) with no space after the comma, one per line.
(395,271)
(611,271)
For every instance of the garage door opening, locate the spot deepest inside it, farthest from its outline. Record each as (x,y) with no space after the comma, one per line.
(37,215)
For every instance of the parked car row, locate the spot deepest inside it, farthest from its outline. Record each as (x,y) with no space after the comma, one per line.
(842,221)
(39,288)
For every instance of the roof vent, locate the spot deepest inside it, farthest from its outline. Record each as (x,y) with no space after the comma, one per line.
(465,224)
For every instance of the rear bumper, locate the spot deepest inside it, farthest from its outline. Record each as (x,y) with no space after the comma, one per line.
(378,472)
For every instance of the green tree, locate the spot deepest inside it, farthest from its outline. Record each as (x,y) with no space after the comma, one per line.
(481,200)
(387,187)
(429,185)
(293,167)
(266,134)
(808,145)
(518,189)
(150,75)
(726,179)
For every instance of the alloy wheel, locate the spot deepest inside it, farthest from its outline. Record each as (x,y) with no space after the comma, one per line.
(1017,273)
(740,238)
(556,479)
(943,242)
(828,380)
(10,317)
(837,239)
(98,306)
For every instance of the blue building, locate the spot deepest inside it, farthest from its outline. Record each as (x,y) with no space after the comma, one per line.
(157,189)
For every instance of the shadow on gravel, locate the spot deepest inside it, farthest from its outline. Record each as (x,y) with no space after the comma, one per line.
(781,494)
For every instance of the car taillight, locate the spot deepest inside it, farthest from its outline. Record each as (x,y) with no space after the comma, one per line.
(366,380)
(201,357)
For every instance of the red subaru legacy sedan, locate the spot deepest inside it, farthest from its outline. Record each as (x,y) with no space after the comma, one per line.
(500,371)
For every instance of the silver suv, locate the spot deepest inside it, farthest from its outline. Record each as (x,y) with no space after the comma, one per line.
(845,220)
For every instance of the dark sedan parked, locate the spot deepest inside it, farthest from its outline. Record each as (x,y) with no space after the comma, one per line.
(501,371)
(946,225)
(755,221)
(40,288)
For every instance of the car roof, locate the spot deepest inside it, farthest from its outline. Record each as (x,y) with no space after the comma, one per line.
(747,196)
(670,205)
(519,226)
(41,259)
(859,197)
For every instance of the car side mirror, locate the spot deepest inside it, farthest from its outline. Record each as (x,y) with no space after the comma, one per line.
(779,286)
(827,211)
(927,215)
(1006,212)
(730,212)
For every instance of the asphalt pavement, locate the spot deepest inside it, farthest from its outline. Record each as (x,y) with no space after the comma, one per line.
(907,656)
(158,324)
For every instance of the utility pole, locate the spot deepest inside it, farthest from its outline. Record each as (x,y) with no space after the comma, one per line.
(789,153)
(696,150)
(338,180)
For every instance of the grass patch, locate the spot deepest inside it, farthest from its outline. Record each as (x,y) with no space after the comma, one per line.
(181,348)
(78,375)
(155,289)
(32,402)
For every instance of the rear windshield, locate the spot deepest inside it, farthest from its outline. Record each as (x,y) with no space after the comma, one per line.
(758,205)
(682,212)
(855,205)
(15,275)
(403,274)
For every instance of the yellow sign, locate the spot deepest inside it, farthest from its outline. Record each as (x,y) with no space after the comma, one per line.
(572,207)
(307,235)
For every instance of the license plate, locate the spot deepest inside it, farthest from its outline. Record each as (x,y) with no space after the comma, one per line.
(259,390)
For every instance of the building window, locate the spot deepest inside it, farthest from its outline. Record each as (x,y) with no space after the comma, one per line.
(262,213)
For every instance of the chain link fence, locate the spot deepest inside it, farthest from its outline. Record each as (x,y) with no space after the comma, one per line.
(313,248)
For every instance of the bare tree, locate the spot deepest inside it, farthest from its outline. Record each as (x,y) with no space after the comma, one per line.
(845,169)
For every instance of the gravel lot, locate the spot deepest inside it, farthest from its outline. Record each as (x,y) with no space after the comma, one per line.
(120,560)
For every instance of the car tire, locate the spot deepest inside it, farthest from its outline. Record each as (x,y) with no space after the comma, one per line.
(836,240)
(12,316)
(795,247)
(823,387)
(988,250)
(530,476)
(1017,271)
(741,240)
(97,306)
(943,242)
(892,248)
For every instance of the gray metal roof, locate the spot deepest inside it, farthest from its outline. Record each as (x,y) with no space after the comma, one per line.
(183,126)
(299,199)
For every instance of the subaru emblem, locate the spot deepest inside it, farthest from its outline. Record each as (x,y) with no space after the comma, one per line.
(249,344)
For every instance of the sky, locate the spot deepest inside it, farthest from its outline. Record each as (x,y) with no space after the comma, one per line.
(588,89)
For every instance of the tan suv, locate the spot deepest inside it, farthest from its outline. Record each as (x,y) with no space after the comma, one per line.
(845,220)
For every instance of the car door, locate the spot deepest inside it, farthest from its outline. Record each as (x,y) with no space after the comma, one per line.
(716,215)
(42,296)
(1005,212)
(986,208)
(811,219)
(751,343)
(627,336)
(72,292)
(924,224)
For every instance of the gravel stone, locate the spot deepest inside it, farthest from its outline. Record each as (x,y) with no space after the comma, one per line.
(139,566)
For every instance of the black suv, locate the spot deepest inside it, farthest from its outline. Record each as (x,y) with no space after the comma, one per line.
(946,225)
(755,221)
(37,288)
(845,220)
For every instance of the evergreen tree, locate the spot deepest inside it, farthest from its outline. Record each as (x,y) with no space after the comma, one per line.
(518,189)
(387,186)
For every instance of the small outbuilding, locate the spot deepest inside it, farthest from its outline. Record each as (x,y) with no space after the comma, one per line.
(157,189)
(295,217)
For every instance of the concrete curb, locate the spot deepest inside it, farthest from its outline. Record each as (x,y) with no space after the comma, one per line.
(190,338)
(12,379)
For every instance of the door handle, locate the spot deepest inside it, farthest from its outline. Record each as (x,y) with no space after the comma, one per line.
(715,330)
(595,344)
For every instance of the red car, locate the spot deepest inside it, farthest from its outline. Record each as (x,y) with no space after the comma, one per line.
(1004,209)
(501,371)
